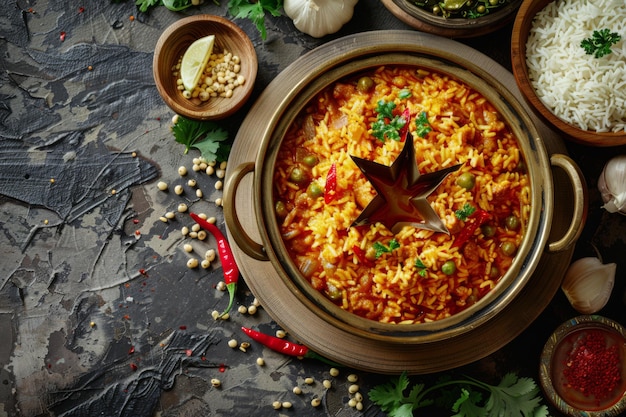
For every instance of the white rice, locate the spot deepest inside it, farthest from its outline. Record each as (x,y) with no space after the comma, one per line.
(582,90)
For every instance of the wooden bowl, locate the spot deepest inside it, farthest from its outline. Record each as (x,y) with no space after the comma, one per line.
(173,43)
(521,30)
(425,21)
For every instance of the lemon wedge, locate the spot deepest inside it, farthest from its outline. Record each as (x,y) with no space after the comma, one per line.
(194,60)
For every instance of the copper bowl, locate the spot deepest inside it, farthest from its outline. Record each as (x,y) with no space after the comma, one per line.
(390,49)
(172,45)
(585,341)
(521,29)
(454,27)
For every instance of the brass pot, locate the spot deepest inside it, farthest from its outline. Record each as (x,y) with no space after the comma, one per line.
(372,50)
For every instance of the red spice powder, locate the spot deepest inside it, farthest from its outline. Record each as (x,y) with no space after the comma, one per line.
(592,366)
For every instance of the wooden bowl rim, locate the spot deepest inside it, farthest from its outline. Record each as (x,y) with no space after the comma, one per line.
(521,28)
(424,21)
(227,106)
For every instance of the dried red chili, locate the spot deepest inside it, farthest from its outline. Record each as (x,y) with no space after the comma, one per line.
(477,219)
(285,346)
(360,255)
(62,36)
(330,190)
(592,367)
(229,266)
(406,115)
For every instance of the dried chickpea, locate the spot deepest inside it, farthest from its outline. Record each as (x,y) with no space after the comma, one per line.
(192,263)
(162,185)
(297,390)
(216,382)
(260,361)
(178,190)
(232,343)
(182,171)
(315,402)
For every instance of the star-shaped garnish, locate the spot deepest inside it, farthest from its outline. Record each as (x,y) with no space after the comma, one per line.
(402,192)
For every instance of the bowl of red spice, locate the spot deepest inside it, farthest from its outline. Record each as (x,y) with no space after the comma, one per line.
(582,369)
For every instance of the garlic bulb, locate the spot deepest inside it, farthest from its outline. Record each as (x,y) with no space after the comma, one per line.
(612,185)
(588,284)
(319,17)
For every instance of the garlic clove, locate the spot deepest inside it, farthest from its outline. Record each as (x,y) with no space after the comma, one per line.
(612,185)
(588,284)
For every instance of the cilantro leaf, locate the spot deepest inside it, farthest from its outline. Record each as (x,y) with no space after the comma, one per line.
(404,93)
(513,396)
(422,269)
(387,126)
(465,212)
(422,125)
(381,249)
(600,42)
(205,136)
(255,11)
(144,5)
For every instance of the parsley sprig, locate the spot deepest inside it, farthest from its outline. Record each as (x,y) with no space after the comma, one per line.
(600,42)
(464,212)
(422,269)
(513,396)
(255,11)
(387,125)
(381,249)
(422,125)
(206,136)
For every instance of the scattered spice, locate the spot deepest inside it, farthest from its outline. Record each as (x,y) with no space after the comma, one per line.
(592,366)
(62,36)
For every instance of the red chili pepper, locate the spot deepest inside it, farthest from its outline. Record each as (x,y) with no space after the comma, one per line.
(406,115)
(285,347)
(330,191)
(477,219)
(229,266)
(360,255)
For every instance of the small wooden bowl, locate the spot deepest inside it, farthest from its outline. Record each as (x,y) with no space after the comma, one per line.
(173,43)
(521,30)
(425,21)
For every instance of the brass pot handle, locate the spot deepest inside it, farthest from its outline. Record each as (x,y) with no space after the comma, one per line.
(580,202)
(245,242)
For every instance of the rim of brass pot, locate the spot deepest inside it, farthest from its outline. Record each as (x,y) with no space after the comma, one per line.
(529,252)
(388,50)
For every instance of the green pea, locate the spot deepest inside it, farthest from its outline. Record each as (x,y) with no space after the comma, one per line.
(310,160)
(488,230)
(448,268)
(314,190)
(298,176)
(281,209)
(364,84)
(508,248)
(466,180)
(512,222)
(494,273)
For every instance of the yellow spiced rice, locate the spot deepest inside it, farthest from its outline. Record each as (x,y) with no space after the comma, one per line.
(408,283)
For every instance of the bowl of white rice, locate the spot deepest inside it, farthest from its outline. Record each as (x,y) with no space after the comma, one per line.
(569,61)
